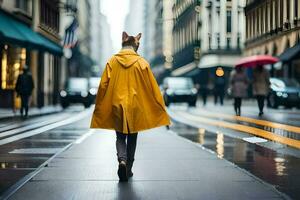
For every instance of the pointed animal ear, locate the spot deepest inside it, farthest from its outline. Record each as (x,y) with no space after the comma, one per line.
(124,36)
(138,37)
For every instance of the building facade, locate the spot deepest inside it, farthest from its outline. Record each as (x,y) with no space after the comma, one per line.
(30,36)
(273,27)
(186,36)
(208,35)
(158,38)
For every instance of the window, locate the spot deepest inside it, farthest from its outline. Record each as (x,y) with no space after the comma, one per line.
(22,4)
(228,42)
(296,8)
(228,21)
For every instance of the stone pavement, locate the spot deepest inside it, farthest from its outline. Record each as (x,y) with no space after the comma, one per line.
(166,167)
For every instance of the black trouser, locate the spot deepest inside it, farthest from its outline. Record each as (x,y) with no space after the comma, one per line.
(260,102)
(126,151)
(219,93)
(237,105)
(203,93)
(24,104)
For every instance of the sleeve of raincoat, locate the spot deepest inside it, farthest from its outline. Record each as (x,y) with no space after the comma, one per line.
(154,87)
(104,83)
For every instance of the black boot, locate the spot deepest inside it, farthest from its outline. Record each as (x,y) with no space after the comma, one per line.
(129,169)
(122,171)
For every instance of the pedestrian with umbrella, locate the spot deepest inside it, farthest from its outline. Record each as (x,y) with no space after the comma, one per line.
(261,77)
(260,86)
(239,84)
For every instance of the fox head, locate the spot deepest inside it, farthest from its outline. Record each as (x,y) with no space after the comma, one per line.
(133,41)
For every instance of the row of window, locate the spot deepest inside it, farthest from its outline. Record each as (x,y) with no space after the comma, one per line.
(272,15)
(49,14)
(181,6)
(185,35)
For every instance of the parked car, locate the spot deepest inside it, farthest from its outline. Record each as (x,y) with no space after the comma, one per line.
(179,89)
(94,83)
(76,91)
(284,92)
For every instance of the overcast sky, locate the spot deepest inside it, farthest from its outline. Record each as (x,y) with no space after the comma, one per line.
(116,11)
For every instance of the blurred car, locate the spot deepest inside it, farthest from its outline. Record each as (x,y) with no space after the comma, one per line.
(179,89)
(94,83)
(284,92)
(76,91)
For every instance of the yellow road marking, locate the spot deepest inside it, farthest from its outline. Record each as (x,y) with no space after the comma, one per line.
(286,127)
(246,129)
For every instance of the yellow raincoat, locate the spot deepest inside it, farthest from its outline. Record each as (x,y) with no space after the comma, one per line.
(128,99)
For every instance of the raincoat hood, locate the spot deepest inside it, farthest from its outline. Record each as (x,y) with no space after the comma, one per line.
(127,57)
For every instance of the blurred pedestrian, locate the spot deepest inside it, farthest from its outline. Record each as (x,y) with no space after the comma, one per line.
(261,86)
(219,87)
(239,84)
(128,101)
(24,87)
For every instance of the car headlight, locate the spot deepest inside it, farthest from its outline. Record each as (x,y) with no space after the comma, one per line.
(93,91)
(194,91)
(63,93)
(84,94)
(285,95)
(169,92)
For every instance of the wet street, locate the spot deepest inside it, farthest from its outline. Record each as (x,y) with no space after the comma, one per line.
(266,148)
(27,145)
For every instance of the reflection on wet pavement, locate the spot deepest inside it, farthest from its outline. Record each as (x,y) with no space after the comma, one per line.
(19,158)
(278,169)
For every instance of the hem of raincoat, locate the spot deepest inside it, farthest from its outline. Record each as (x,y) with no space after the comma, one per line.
(134,131)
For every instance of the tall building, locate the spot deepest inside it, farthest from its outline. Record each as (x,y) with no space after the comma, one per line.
(272,27)
(77,25)
(101,42)
(186,36)
(134,21)
(208,35)
(106,47)
(149,29)
(29,32)
(158,40)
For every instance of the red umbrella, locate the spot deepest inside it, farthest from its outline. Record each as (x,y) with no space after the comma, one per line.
(253,61)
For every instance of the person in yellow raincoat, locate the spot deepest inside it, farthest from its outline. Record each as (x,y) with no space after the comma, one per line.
(128,101)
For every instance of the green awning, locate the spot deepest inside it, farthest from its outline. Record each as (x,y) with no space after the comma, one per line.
(16,32)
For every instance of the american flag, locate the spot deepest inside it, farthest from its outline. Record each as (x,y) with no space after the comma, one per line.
(70,39)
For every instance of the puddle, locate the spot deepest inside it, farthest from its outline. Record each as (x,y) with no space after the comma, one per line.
(278,169)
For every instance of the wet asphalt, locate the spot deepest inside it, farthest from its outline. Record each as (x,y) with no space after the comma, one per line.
(23,156)
(273,163)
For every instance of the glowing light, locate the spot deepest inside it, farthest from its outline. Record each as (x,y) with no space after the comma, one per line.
(280,166)
(220,145)
(220,72)
(23,54)
(201,132)
(4,70)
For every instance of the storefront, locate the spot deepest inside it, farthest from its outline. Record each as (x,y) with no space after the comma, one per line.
(17,42)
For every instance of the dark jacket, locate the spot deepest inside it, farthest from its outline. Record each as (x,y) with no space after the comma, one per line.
(24,84)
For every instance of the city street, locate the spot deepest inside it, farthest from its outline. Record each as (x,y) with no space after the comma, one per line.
(59,157)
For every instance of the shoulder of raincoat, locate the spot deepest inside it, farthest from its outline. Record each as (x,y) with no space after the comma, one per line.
(129,99)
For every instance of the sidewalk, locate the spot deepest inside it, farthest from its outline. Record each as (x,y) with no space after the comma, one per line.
(167,167)
(9,113)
